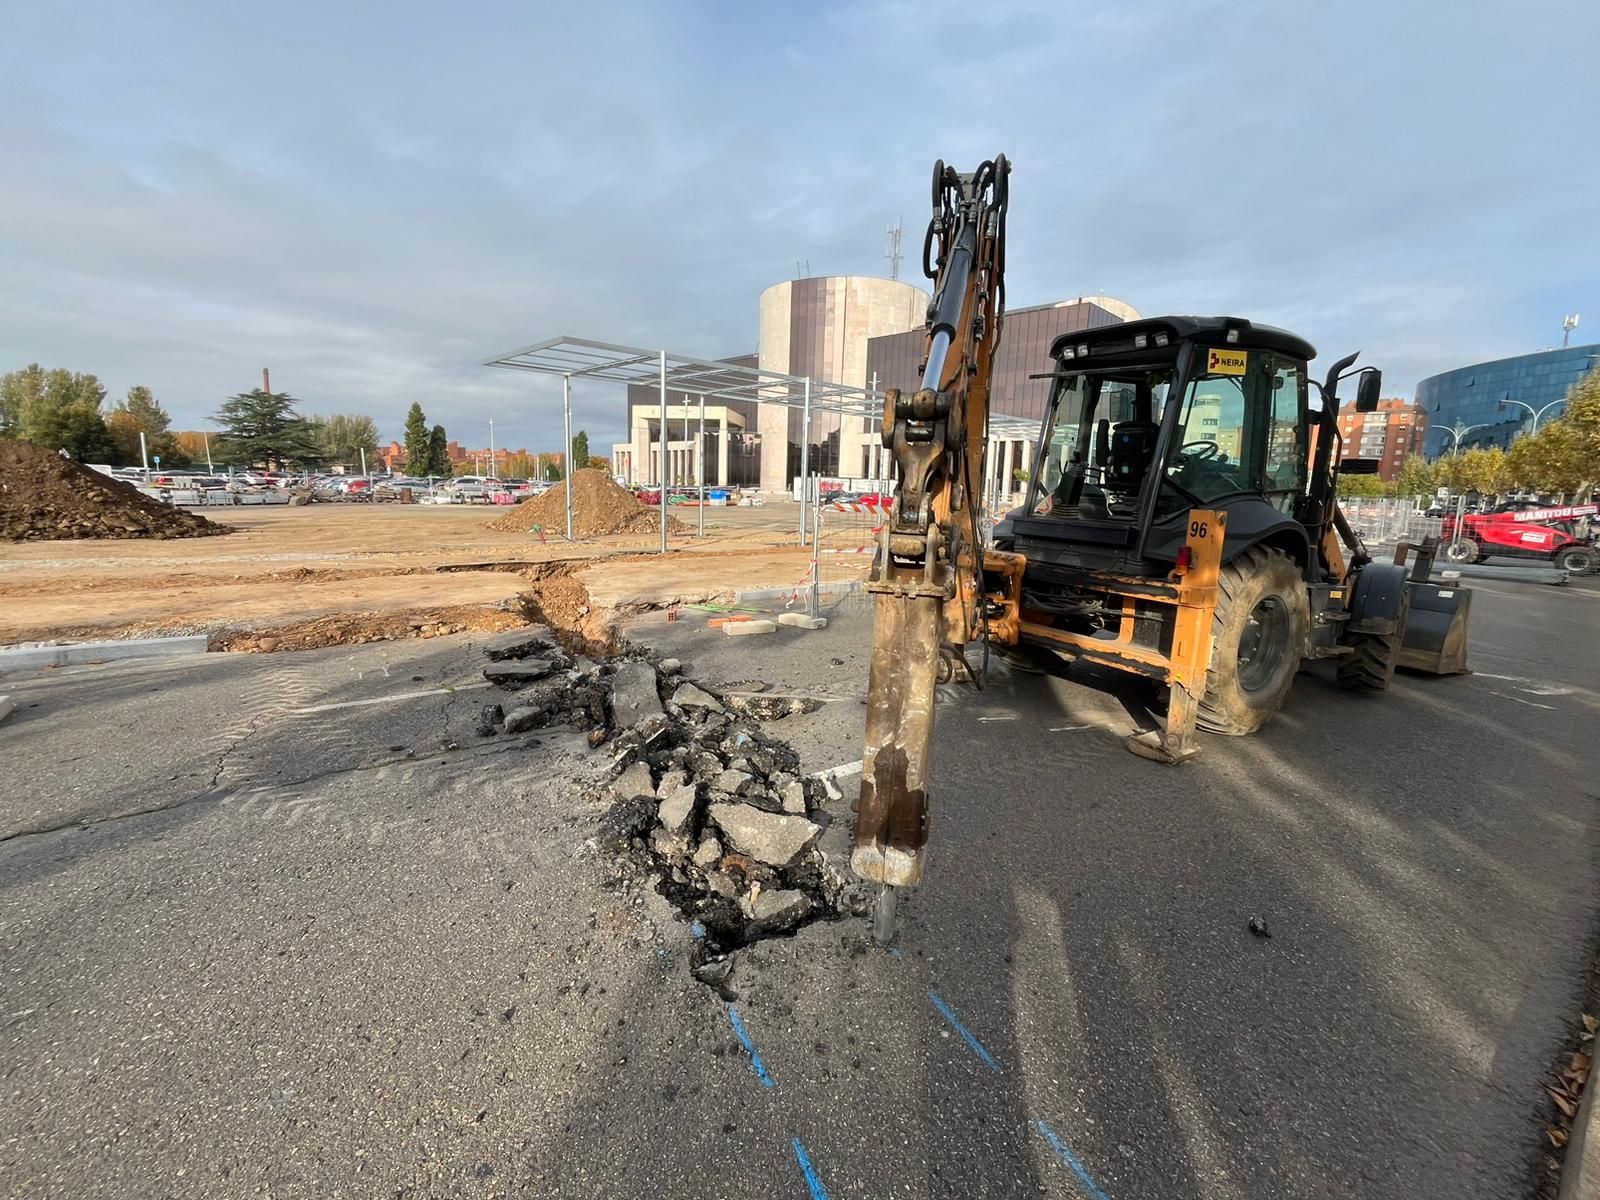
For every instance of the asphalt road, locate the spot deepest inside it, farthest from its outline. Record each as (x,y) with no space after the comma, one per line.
(343,958)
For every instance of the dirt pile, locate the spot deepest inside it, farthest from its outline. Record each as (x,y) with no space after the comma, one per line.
(44,497)
(599,509)
(354,629)
(701,799)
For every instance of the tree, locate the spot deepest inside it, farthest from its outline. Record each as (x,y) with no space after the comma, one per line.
(1564,456)
(438,452)
(1361,485)
(1450,474)
(550,467)
(140,412)
(580,449)
(59,409)
(1416,477)
(1549,461)
(18,388)
(520,466)
(263,427)
(417,457)
(343,436)
(191,443)
(146,409)
(1483,471)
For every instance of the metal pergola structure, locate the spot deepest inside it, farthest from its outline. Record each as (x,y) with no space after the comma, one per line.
(581,358)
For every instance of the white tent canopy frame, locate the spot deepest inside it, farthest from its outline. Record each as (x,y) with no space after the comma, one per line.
(581,358)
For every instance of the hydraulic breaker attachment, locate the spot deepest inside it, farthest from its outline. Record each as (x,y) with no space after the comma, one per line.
(892,814)
(927,577)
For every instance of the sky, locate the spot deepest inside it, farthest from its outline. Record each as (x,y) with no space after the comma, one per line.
(372,199)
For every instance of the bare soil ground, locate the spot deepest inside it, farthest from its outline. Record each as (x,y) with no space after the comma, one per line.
(292,578)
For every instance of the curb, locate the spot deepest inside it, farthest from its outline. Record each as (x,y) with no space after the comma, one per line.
(767,595)
(1530,574)
(1580,1168)
(23,657)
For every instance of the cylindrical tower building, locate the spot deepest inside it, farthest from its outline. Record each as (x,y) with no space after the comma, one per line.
(819,327)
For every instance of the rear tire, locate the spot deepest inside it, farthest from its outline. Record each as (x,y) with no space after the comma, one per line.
(1577,560)
(1258,632)
(1369,667)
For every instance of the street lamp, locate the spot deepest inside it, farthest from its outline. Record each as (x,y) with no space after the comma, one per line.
(1458,432)
(1537,415)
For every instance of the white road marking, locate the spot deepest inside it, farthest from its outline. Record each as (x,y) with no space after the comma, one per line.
(392,699)
(1068,728)
(1010,718)
(1529,703)
(839,772)
(1539,688)
(793,696)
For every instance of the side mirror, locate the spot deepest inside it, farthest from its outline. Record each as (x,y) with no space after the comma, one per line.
(1367,390)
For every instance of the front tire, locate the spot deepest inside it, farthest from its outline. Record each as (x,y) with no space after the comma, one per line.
(1462,551)
(1369,667)
(1257,634)
(1577,560)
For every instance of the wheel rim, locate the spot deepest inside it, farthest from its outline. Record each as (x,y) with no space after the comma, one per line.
(1458,551)
(1262,643)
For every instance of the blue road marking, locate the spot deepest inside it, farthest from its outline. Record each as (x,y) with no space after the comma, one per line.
(1068,1157)
(750,1047)
(977,1046)
(818,1192)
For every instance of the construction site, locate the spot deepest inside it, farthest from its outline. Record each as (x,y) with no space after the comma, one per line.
(561,804)
(968,738)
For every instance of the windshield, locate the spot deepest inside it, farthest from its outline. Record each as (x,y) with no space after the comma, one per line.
(1206,463)
(1240,432)
(1241,428)
(1101,426)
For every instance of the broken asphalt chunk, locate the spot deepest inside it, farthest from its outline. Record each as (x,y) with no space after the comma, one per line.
(691,698)
(772,838)
(777,909)
(633,694)
(516,672)
(634,781)
(523,718)
(489,716)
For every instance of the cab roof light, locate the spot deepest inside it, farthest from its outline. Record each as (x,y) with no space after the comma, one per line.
(1161,339)
(1140,341)
(1066,352)
(1233,336)
(1083,349)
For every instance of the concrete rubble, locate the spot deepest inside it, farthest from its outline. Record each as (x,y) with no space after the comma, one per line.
(700,798)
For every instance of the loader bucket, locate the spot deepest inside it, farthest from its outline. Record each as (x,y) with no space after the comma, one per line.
(1436,630)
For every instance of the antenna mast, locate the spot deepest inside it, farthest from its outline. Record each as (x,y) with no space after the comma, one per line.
(893,253)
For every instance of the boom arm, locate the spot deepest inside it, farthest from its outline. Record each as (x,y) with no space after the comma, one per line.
(927,574)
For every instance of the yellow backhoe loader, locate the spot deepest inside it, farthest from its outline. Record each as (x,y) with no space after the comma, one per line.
(1180,524)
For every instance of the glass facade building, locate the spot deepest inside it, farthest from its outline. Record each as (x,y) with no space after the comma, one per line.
(1472,400)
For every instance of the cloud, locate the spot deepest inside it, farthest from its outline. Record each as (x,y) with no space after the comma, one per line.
(373,201)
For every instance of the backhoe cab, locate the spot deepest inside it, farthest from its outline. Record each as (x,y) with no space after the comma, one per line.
(1181,524)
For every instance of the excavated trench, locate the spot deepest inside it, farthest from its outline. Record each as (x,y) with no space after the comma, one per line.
(699,799)
(557,598)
